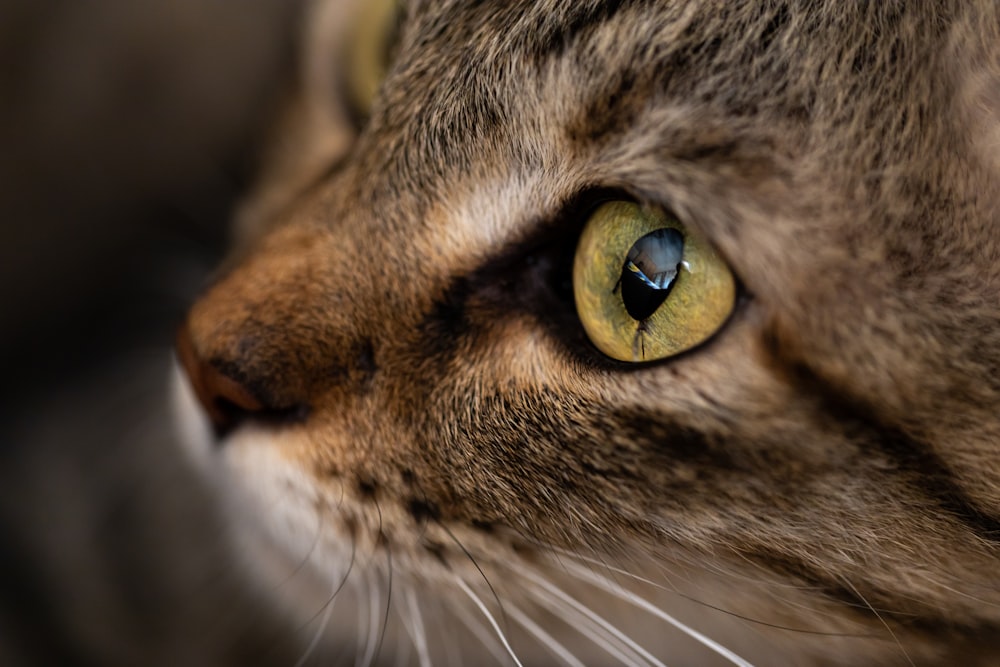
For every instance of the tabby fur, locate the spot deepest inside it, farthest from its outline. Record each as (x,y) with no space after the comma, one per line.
(817,484)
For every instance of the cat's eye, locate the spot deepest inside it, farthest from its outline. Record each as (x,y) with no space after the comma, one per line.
(370,48)
(645,286)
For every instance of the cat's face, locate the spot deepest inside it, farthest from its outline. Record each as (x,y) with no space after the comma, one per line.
(409,401)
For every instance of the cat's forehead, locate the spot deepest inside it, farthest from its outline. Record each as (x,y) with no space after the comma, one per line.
(724,112)
(704,51)
(501,92)
(495,115)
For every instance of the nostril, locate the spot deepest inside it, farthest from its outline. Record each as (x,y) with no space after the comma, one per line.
(226,400)
(226,414)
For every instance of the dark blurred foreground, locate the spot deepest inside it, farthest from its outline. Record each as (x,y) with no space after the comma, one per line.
(127,130)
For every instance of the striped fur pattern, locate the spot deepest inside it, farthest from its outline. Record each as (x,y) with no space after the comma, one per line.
(472,482)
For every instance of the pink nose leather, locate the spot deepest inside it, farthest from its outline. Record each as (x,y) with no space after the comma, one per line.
(224,399)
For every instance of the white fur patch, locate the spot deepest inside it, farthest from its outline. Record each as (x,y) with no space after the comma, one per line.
(270,506)
(192,426)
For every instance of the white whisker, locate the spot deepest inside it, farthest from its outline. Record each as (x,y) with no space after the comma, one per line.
(594,617)
(673,590)
(591,631)
(483,634)
(544,638)
(640,602)
(375,603)
(489,617)
(451,652)
(403,654)
(414,622)
(705,564)
(323,622)
(363,596)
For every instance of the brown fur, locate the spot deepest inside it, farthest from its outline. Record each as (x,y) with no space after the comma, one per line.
(827,462)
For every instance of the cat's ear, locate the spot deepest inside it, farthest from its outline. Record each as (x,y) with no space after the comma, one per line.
(315,128)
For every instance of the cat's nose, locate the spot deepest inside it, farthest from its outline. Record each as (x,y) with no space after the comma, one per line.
(226,399)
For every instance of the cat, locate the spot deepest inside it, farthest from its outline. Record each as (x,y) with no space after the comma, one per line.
(449,456)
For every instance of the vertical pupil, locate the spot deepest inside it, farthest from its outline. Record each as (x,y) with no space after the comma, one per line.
(650,270)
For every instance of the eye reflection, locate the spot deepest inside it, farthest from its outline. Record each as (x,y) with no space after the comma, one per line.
(649,271)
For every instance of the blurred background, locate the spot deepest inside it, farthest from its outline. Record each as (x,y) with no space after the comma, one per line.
(128,130)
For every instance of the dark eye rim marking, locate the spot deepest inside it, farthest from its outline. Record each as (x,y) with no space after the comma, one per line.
(532,276)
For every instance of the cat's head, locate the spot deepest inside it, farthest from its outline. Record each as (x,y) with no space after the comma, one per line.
(412,394)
